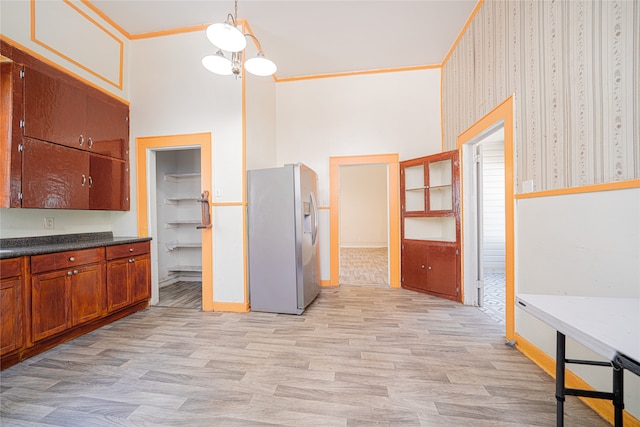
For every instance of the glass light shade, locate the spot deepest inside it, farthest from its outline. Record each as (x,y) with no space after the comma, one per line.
(217,64)
(226,37)
(260,66)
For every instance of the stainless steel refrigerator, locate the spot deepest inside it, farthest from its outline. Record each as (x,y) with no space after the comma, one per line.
(283,238)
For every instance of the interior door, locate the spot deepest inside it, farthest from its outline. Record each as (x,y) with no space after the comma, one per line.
(479,224)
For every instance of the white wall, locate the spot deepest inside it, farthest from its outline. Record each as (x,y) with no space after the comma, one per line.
(582,244)
(352,116)
(363,206)
(173,94)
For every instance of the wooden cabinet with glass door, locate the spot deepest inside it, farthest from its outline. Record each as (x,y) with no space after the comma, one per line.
(430,188)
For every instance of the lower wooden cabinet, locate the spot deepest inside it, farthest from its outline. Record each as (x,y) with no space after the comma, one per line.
(12,320)
(128,274)
(48,299)
(431,268)
(64,298)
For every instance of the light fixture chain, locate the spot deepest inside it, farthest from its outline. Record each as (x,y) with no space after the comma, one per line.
(235,17)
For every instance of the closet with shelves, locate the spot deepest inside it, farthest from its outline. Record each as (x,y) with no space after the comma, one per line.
(178,214)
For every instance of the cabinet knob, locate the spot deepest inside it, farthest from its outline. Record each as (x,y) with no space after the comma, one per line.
(422,266)
(130,249)
(132,260)
(429,267)
(72,259)
(69,273)
(75,271)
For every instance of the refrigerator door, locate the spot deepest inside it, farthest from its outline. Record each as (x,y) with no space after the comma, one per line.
(273,259)
(308,285)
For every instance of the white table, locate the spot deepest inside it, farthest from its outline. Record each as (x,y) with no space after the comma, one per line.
(610,327)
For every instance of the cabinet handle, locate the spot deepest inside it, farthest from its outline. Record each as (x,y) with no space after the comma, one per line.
(84,180)
(72,259)
(75,271)
(69,273)
(90,181)
(90,142)
(81,140)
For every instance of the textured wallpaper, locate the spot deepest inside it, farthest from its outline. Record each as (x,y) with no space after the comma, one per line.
(574,67)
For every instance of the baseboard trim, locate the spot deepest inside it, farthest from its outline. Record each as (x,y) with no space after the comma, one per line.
(233,307)
(604,408)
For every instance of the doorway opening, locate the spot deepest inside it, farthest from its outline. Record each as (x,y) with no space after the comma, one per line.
(179,242)
(500,118)
(488,235)
(390,163)
(363,227)
(173,173)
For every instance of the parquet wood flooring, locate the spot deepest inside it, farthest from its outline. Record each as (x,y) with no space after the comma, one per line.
(358,356)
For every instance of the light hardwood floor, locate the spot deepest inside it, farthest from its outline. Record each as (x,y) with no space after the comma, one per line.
(181,295)
(359,356)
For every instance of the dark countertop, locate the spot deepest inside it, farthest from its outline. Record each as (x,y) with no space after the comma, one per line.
(26,246)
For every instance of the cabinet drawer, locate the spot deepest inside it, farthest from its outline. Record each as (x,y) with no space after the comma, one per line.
(10,268)
(59,260)
(122,251)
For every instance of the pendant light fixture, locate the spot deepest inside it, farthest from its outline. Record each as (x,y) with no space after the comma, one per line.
(227,37)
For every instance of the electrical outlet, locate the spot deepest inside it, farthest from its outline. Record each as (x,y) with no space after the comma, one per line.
(48,222)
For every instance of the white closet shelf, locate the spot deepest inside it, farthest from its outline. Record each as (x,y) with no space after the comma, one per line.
(178,177)
(175,200)
(186,269)
(179,222)
(177,245)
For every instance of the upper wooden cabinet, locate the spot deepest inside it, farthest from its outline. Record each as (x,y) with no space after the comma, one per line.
(54,110)
(60,112)
(55,176)
(65,144)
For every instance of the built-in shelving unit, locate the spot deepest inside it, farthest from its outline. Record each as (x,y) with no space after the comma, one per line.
(178,198)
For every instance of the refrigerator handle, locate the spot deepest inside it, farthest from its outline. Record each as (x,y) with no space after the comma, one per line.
(314,234)
(206,216)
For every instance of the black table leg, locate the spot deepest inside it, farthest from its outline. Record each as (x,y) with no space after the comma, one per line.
(618,393)
(560,359)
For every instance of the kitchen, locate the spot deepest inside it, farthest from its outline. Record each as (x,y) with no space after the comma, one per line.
(256,123)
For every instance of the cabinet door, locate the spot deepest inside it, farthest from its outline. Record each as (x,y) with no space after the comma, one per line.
(107,127)
(118,285)
(11,318)
(54,176)
(54,110)
(442,270)
(50,303)
(140,278)
(414,265)
(87,293)
(109,184)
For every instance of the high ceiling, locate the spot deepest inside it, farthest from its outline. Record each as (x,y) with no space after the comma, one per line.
(306,37)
